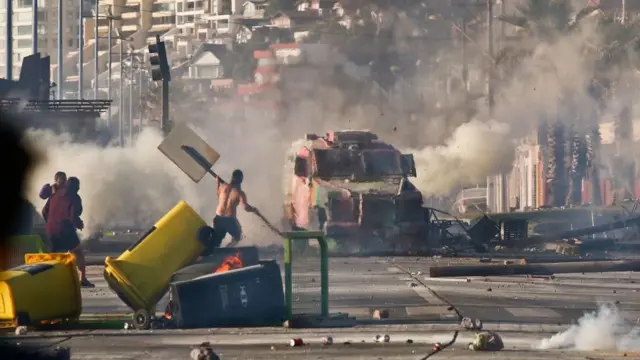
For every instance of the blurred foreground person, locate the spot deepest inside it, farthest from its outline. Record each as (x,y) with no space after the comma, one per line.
(62,213)
(59,180)
(16,164)
(229,197)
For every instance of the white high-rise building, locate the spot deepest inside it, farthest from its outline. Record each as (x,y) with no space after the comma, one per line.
(47,31)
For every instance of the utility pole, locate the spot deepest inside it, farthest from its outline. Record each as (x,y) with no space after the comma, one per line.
(34,28)
(96,53)
(160,70)
(490,99)
(624,11)
(465,66)
(81,51)
(60,50)
(121,104)
(503,29)
(109,63)
(8,53)
(131,78)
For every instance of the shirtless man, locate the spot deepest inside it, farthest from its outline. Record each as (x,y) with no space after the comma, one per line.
(229,197)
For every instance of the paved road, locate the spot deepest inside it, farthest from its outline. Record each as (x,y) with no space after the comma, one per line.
(357,287)
(360,285)
(559,299)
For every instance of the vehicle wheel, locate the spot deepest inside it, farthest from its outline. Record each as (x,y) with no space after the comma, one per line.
(205,235)
(23,319)
(142,320)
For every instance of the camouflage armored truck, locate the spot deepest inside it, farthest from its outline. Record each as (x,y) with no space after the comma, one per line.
(355,188)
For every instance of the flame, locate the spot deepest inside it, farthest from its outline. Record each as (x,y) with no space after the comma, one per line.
(230,263)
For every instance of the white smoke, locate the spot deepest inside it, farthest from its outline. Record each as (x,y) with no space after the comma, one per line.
(474,151)
(133,187)
(605,329)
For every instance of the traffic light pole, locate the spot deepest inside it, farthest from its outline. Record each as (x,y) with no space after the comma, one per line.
(165,106)
(160,70)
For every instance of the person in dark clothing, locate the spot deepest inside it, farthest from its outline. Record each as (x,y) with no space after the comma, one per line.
(24,225)
(62,213)
(59,179)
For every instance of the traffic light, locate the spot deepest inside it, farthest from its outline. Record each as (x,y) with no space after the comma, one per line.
(159,64)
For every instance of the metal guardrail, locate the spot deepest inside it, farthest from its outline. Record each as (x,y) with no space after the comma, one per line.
(324,269)
(76,106)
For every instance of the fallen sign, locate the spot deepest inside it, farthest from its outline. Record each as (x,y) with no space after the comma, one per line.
(534,269)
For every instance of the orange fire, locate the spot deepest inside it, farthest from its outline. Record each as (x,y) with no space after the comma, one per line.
(230,263)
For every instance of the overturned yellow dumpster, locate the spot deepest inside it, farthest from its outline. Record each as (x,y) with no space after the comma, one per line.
(45,289)
(140,276)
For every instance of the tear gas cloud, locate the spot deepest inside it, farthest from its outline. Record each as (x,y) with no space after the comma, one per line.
(539,88)
(604,329)
(138,185)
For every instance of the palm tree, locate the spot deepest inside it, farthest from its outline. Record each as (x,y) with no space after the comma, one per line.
(593,170)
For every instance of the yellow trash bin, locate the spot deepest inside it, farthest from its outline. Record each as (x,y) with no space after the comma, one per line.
(21,245)
(45,289)
(140,276)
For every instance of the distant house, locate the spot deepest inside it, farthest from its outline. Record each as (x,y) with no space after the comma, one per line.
(321,7)
(206,62)
(294,19)
(255,9)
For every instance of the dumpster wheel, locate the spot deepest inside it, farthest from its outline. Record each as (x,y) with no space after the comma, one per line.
(142,320)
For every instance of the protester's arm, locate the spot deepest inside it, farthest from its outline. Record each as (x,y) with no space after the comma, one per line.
(45,192)
(245,204)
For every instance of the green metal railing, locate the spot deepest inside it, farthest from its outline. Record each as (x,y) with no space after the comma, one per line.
(324,268)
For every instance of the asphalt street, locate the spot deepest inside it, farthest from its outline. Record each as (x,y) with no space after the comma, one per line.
(418,306)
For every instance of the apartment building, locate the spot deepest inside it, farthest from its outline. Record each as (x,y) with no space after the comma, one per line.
(47,30)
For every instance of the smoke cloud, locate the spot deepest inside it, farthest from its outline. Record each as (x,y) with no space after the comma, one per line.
(604,329)
(136,186)
(475,150)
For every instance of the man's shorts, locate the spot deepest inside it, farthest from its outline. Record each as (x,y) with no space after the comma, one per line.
(64,242)
(223,225)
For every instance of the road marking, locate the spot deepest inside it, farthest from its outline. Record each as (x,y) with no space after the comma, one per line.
(429,310)
(427,295)
(357,312)
(394,269)
(533,312)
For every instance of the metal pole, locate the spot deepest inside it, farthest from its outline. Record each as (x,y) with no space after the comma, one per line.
(121,96)
(165,106)
(465,70)
(624,12)
(96,54)
(81,51)
(34,27)
(9,42)
(503,28)
(131,98)
(60,50)
(109,63)
(490,51)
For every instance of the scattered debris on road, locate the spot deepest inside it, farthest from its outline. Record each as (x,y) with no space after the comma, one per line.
(204,352)
(380,314)
(327,340)
(296,342)
(486,341)
(471,324)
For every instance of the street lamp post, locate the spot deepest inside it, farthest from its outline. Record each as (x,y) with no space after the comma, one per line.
(109,61)
(131,98)
(121,102)
(34,28)
(96,52)
(81,51)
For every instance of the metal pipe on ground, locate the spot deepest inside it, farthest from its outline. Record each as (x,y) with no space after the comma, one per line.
(534,269)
